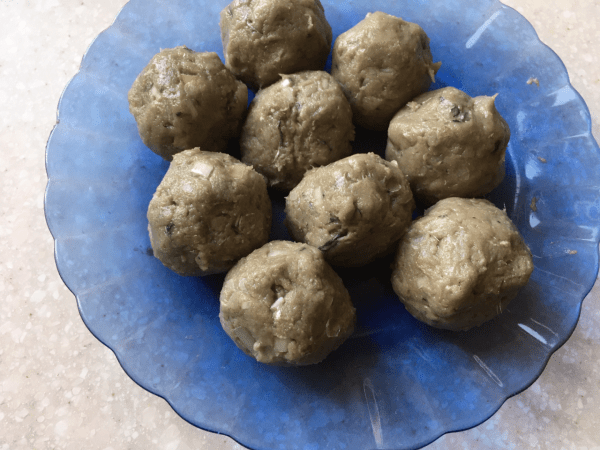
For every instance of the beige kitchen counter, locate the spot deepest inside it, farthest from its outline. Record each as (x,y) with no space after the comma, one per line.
(60,388)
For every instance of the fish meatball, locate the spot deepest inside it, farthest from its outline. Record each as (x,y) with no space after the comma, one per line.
(185,99)
(449,144)
(300,122)
(354,210)
(265,38)
(382,63)
(208,211)
(284,305)
(460,264)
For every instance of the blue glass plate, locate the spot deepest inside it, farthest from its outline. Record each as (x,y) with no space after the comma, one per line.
(396,383)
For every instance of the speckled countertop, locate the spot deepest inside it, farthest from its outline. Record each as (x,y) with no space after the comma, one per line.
(62,389)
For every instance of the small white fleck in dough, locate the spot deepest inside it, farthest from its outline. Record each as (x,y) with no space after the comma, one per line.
(276,307)
(203,169)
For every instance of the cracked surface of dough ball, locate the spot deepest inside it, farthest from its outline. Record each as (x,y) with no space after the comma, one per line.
(354,210)
(184,99)
(382,63)
(284,305)
(449,144)
(461,264)
(208,211)
(300,122)
(265,38)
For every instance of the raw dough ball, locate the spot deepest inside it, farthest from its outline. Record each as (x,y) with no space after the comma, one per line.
(300,122)
(382,63)
(461,264)
(283,304)
(265,38)
(354,210)
(208,211)
(183,99)
(449,144)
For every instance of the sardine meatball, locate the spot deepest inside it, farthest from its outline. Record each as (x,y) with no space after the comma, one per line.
(265,38)
(208,211)
(185,99)
(300,122)
(449,144)
(354,210)
(382,63)
(284,305)
(460,264)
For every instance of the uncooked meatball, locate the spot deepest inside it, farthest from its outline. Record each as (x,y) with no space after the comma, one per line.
(460,264)
(449,144)
(382,63)
(265,38)
(183,99)
(354,210)
(208,211)
(284,305)
(300,122)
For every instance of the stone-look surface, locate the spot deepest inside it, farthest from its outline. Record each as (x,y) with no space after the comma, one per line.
(62,389)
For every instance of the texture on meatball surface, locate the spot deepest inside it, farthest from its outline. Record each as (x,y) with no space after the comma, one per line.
(382,63)
(265,38)
(461,264)
(208,211)
(300,122)
(449,144)
(354,210)
(184,99)
(284,305)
